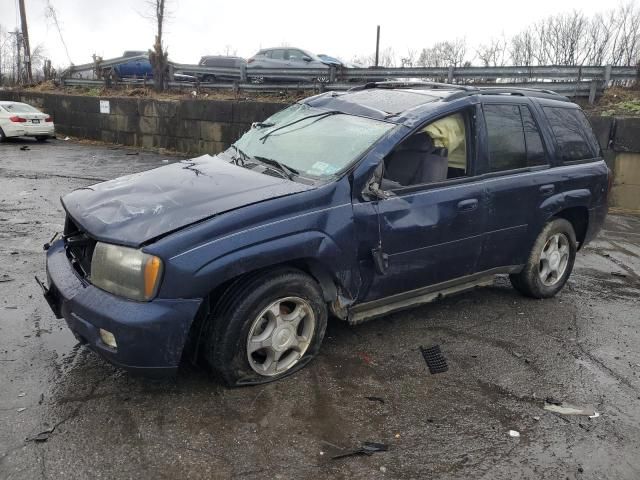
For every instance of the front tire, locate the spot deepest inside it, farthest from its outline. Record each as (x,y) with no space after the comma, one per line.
(550,262)
(42,138)
(265,327)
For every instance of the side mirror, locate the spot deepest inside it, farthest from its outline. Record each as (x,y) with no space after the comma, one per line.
(306,59)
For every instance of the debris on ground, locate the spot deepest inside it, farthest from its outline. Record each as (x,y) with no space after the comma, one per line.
(21,409)
(6,278)
(24,148)
(375,399)
(132,153)
(435,359)
(367,448)
(567,409)
(66,139)
(43,436)
(514,433)
(619,274)
(553,401)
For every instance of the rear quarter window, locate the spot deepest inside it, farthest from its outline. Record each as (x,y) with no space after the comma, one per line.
(574,137)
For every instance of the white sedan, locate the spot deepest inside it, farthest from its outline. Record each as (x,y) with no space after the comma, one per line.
(22,120)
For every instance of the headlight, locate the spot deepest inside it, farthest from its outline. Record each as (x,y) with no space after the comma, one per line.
(125,271)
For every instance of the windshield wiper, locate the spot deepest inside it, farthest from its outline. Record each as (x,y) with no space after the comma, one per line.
(242,157)
(288,171)
(315,115)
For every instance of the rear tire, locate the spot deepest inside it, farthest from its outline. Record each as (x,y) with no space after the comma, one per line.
(2,136)
(265,327)
(41,138)
(550,262)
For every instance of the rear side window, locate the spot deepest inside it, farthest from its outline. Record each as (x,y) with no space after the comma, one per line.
(514,139)
(573,133)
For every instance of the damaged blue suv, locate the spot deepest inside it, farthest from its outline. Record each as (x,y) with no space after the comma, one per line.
(353,204)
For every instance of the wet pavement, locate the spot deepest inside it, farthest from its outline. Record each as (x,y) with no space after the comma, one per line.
(506,354)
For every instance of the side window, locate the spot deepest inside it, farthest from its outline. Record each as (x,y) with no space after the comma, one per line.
(536,154)
(295,55)
(277,54)
(514,138)
(434,154)
(573,133)
(507,149)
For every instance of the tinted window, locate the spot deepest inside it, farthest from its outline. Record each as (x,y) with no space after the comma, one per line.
(296,55)
(536,154)
(573,133)
(507,148)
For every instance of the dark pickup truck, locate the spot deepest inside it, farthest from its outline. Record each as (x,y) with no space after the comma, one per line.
(354,204)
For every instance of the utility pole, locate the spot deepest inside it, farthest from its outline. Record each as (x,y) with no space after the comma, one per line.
(25,37)
(377,45)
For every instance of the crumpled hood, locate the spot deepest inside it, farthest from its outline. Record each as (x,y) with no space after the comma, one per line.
(134,209)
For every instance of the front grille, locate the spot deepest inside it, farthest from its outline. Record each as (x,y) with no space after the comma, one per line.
(79,247)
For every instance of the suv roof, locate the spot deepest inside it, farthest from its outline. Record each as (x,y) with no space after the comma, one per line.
(392,99)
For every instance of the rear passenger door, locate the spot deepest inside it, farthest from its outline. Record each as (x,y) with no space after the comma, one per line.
(515,165)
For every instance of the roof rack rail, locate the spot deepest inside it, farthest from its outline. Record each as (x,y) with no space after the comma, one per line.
(520,91)
(400,84)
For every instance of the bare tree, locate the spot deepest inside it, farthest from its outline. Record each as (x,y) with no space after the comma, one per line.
(386,58)
(159,56)
(494,53)
(410,59)
(444,54)
(522,49)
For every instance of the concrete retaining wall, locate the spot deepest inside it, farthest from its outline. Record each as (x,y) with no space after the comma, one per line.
(210,126)
(188,126)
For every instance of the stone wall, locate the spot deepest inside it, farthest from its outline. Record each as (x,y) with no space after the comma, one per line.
(188,126)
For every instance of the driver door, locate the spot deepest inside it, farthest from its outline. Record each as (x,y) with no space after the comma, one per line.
(429,225)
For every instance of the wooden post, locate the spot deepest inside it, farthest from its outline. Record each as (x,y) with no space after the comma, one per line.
(377,45)
(592,91)
(25,38)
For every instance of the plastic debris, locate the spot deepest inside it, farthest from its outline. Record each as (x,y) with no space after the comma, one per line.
(66,139)
(21,394)
(21,409)
(435,359)
(24,148)
(514,433)
(567,409)
(375,399)
(619,274)
(367,448)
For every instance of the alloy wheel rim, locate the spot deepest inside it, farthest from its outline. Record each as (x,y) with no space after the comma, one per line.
(280,336)
(554,259)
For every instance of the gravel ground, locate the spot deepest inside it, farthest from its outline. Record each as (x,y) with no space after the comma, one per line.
(506,354)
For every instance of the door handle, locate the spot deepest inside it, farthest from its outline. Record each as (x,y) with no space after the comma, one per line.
(468,205)
(547,189)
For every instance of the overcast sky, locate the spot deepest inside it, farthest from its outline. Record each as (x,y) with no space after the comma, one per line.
(341,28)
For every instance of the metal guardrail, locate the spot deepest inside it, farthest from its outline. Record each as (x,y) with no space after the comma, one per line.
(579,81)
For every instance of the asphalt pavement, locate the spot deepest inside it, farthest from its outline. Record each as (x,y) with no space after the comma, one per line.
(66,413)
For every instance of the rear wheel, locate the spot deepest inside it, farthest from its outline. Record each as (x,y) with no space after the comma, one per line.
(2,136)
(550,262)
(42,138)
(265,328)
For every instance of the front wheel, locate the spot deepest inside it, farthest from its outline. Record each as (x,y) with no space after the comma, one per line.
(42,138)
(266,327)
(550,262)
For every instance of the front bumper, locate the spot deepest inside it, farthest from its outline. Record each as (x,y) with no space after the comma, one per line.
(150,335)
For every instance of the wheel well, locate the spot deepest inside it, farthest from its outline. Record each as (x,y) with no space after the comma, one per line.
(311,267)
(579,219)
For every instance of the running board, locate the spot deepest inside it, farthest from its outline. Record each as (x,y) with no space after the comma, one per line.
(378,308)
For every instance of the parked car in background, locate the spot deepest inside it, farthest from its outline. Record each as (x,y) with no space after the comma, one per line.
(329,60)
(22,120)
(140,68)
(357,203)
(219,61)
(284,58)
